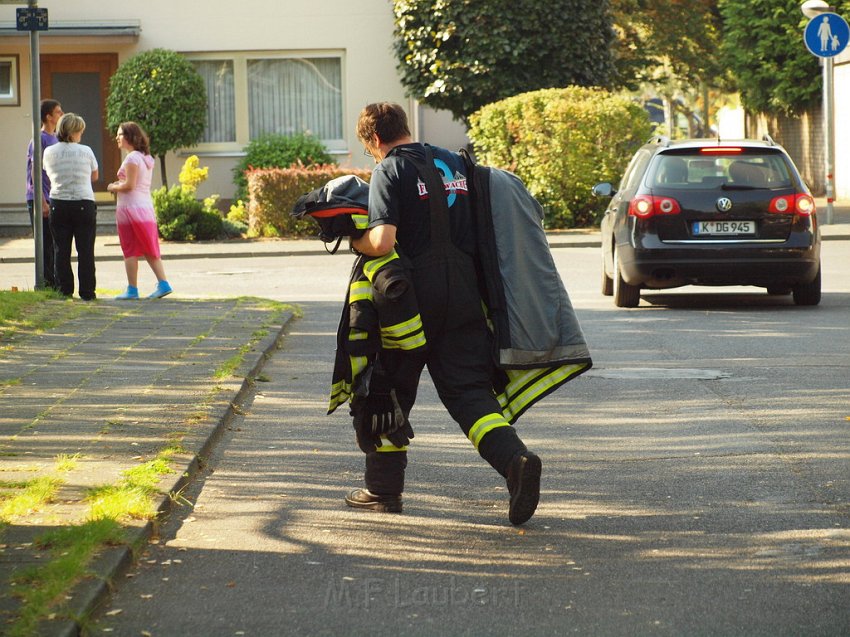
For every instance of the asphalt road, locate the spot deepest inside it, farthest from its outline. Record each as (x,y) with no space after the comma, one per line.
(696,482)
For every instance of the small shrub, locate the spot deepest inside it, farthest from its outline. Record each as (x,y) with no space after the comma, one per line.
(192,175)
(180,216)
(278,151)
(560,142)
(232,228)
(176,213)
(238,212)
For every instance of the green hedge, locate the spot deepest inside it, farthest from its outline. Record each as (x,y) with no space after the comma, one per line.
(273,150)
(561,142)
(272,192)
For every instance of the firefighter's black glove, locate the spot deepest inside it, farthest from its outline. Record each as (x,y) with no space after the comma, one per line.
(401,436)
(376,415)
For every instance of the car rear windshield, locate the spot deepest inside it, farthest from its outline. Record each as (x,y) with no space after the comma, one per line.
(714,168)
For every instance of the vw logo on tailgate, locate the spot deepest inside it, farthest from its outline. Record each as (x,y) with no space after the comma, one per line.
(724,204)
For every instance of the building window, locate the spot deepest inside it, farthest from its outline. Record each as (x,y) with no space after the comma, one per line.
(10,94)
(221,100)
(295,95)
(249,96)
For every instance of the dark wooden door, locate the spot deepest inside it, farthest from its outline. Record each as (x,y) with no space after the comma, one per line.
(81,83)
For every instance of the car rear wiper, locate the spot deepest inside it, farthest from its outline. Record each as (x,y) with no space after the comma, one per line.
(728,186)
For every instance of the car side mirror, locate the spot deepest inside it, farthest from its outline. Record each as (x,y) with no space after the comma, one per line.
(603,190)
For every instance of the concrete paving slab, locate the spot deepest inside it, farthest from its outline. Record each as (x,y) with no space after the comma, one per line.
(112,388)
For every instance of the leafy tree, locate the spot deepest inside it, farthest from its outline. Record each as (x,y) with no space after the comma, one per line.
(462,54)
(165,95)
(763,46)
(670,46)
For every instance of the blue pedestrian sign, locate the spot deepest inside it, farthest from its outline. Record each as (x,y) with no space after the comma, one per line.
(826,35)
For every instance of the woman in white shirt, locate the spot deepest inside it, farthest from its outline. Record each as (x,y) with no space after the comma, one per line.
(72,168)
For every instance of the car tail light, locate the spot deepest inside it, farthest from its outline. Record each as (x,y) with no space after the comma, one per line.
(645,206)
(799,204)
(732,150)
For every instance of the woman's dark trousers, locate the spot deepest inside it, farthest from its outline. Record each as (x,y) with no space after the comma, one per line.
(75,220)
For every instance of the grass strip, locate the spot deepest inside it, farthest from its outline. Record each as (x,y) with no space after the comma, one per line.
(73,548)
(35,310)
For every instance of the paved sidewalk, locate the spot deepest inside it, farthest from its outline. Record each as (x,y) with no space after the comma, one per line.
(116,386)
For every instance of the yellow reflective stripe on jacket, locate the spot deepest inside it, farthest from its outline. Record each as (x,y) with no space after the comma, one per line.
(387,446)
(340,392)
(358,335)
(521,392)
(484,425)
(359,291)
(371,267)
(358,364)
(406,335)
(361,222)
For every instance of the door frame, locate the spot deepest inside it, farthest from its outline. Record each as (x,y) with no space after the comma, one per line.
(105,65)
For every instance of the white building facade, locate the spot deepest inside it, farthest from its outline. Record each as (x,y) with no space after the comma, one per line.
(279,66)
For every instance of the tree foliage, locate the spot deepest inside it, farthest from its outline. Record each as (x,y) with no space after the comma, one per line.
(659,40)
(462,54)
(763,47)
(162,92)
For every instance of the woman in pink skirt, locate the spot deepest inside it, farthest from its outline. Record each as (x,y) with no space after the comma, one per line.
(134,213)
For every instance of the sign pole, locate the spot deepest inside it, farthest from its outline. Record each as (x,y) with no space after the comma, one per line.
(37,196)
(826,35)
(829,135)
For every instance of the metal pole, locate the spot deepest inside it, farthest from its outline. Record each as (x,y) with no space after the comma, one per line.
(37,209)
(829,135)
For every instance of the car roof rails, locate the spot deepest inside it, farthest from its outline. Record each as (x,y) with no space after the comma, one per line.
(660,140)
(768,139)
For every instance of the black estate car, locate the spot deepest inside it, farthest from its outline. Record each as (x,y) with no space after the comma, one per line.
(710,212)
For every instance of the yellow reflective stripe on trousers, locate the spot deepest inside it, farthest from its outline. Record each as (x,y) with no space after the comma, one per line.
(515,404)
(359,291)
(484,425)
(388,447)
(371,267)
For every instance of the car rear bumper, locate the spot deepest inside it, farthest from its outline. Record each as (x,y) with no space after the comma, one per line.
(668,266)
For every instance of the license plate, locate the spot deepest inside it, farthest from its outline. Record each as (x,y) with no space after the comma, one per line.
(719,228)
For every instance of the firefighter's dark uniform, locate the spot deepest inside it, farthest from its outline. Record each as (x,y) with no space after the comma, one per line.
(435,230)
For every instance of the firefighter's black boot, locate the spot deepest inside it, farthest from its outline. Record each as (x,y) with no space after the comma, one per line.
(524,486)
(365,499)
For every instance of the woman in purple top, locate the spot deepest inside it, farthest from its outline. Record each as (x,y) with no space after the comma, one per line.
(51,111)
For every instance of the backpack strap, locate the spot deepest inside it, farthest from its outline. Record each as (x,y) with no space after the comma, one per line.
(438,207)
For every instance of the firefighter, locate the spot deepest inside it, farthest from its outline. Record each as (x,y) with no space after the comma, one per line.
(419,201)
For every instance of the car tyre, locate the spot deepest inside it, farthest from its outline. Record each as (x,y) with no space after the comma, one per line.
(625,295)
(808,293)
(607,281)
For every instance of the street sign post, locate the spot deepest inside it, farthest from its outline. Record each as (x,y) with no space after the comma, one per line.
(33,19)
(826,35)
